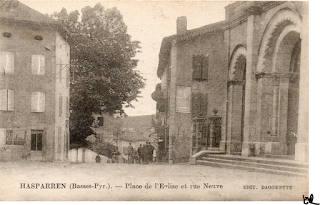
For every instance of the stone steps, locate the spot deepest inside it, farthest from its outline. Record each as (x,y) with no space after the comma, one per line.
(267,165)
(36,156)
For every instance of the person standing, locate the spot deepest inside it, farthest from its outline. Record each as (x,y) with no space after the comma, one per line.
(130,153)
(150,152)
(140,154)
(144,151)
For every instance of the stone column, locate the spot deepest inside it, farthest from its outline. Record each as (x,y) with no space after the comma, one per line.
(250,115)
(211,130)
(302,145)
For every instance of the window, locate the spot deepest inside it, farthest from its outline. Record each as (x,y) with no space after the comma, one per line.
(199,104)
(36,140)
(7,100)
(7,62)
(183,99)
(200,64)
(38,65)
(38,100)
(7,34)
(100,121)
(38,38)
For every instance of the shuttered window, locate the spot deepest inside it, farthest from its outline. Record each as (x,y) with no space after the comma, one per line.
(6,62)
(183,99)
(200,65)
(38,100)
(199,104)
(6,100)
(38,65)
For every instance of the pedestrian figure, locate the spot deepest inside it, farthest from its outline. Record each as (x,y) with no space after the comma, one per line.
(98,159)
(140,154)
(154,155)
(130,153)
(135,157)
(144,154)
(150,152)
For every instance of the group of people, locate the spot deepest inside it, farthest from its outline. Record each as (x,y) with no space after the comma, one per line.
(144,154)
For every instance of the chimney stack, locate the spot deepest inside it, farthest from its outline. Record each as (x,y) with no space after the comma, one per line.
(181,24)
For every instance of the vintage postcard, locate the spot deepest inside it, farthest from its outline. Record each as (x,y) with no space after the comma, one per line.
(154,101)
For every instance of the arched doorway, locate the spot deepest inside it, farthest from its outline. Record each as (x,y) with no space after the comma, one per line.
(278,84)
(287,63)
(236,101)
(293,99)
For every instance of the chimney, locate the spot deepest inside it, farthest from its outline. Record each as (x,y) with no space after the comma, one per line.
(181,24)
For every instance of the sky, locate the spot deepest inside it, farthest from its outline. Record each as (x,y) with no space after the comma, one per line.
(148,22)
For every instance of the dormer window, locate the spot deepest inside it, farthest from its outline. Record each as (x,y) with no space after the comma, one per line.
(7,34)
(38,38)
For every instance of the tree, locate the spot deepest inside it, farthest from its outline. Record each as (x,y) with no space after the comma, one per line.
(101,72)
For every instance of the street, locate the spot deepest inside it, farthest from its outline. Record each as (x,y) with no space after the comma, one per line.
(29,180)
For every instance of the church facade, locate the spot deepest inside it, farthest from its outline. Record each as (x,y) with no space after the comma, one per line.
(239,86)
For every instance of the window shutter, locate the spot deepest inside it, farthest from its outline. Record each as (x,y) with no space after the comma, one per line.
(10,100)
(42,65)
(183,97)
(35,64)
(38,65)
(205,67)
(34,101)
(3,99)
(7,62)
(196,65)
(204,105)
(42,101)
(3,63)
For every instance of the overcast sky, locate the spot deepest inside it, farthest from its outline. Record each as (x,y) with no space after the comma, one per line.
(148,22)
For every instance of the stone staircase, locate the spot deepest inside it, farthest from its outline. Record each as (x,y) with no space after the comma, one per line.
(255,164)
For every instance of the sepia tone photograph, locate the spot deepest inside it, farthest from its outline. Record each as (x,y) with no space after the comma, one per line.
(154,100)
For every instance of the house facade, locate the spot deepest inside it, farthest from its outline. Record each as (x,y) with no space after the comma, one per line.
(238,86)
(34,85)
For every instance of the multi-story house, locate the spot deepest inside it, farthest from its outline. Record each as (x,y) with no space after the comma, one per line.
(193,86)
(34,85)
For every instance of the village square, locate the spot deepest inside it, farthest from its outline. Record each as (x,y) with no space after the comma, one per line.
(216,111)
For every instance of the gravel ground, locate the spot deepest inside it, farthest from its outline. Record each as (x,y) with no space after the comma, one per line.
(27,180)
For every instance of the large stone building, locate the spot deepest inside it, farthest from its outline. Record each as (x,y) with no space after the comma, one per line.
(238,86)
(34,85)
